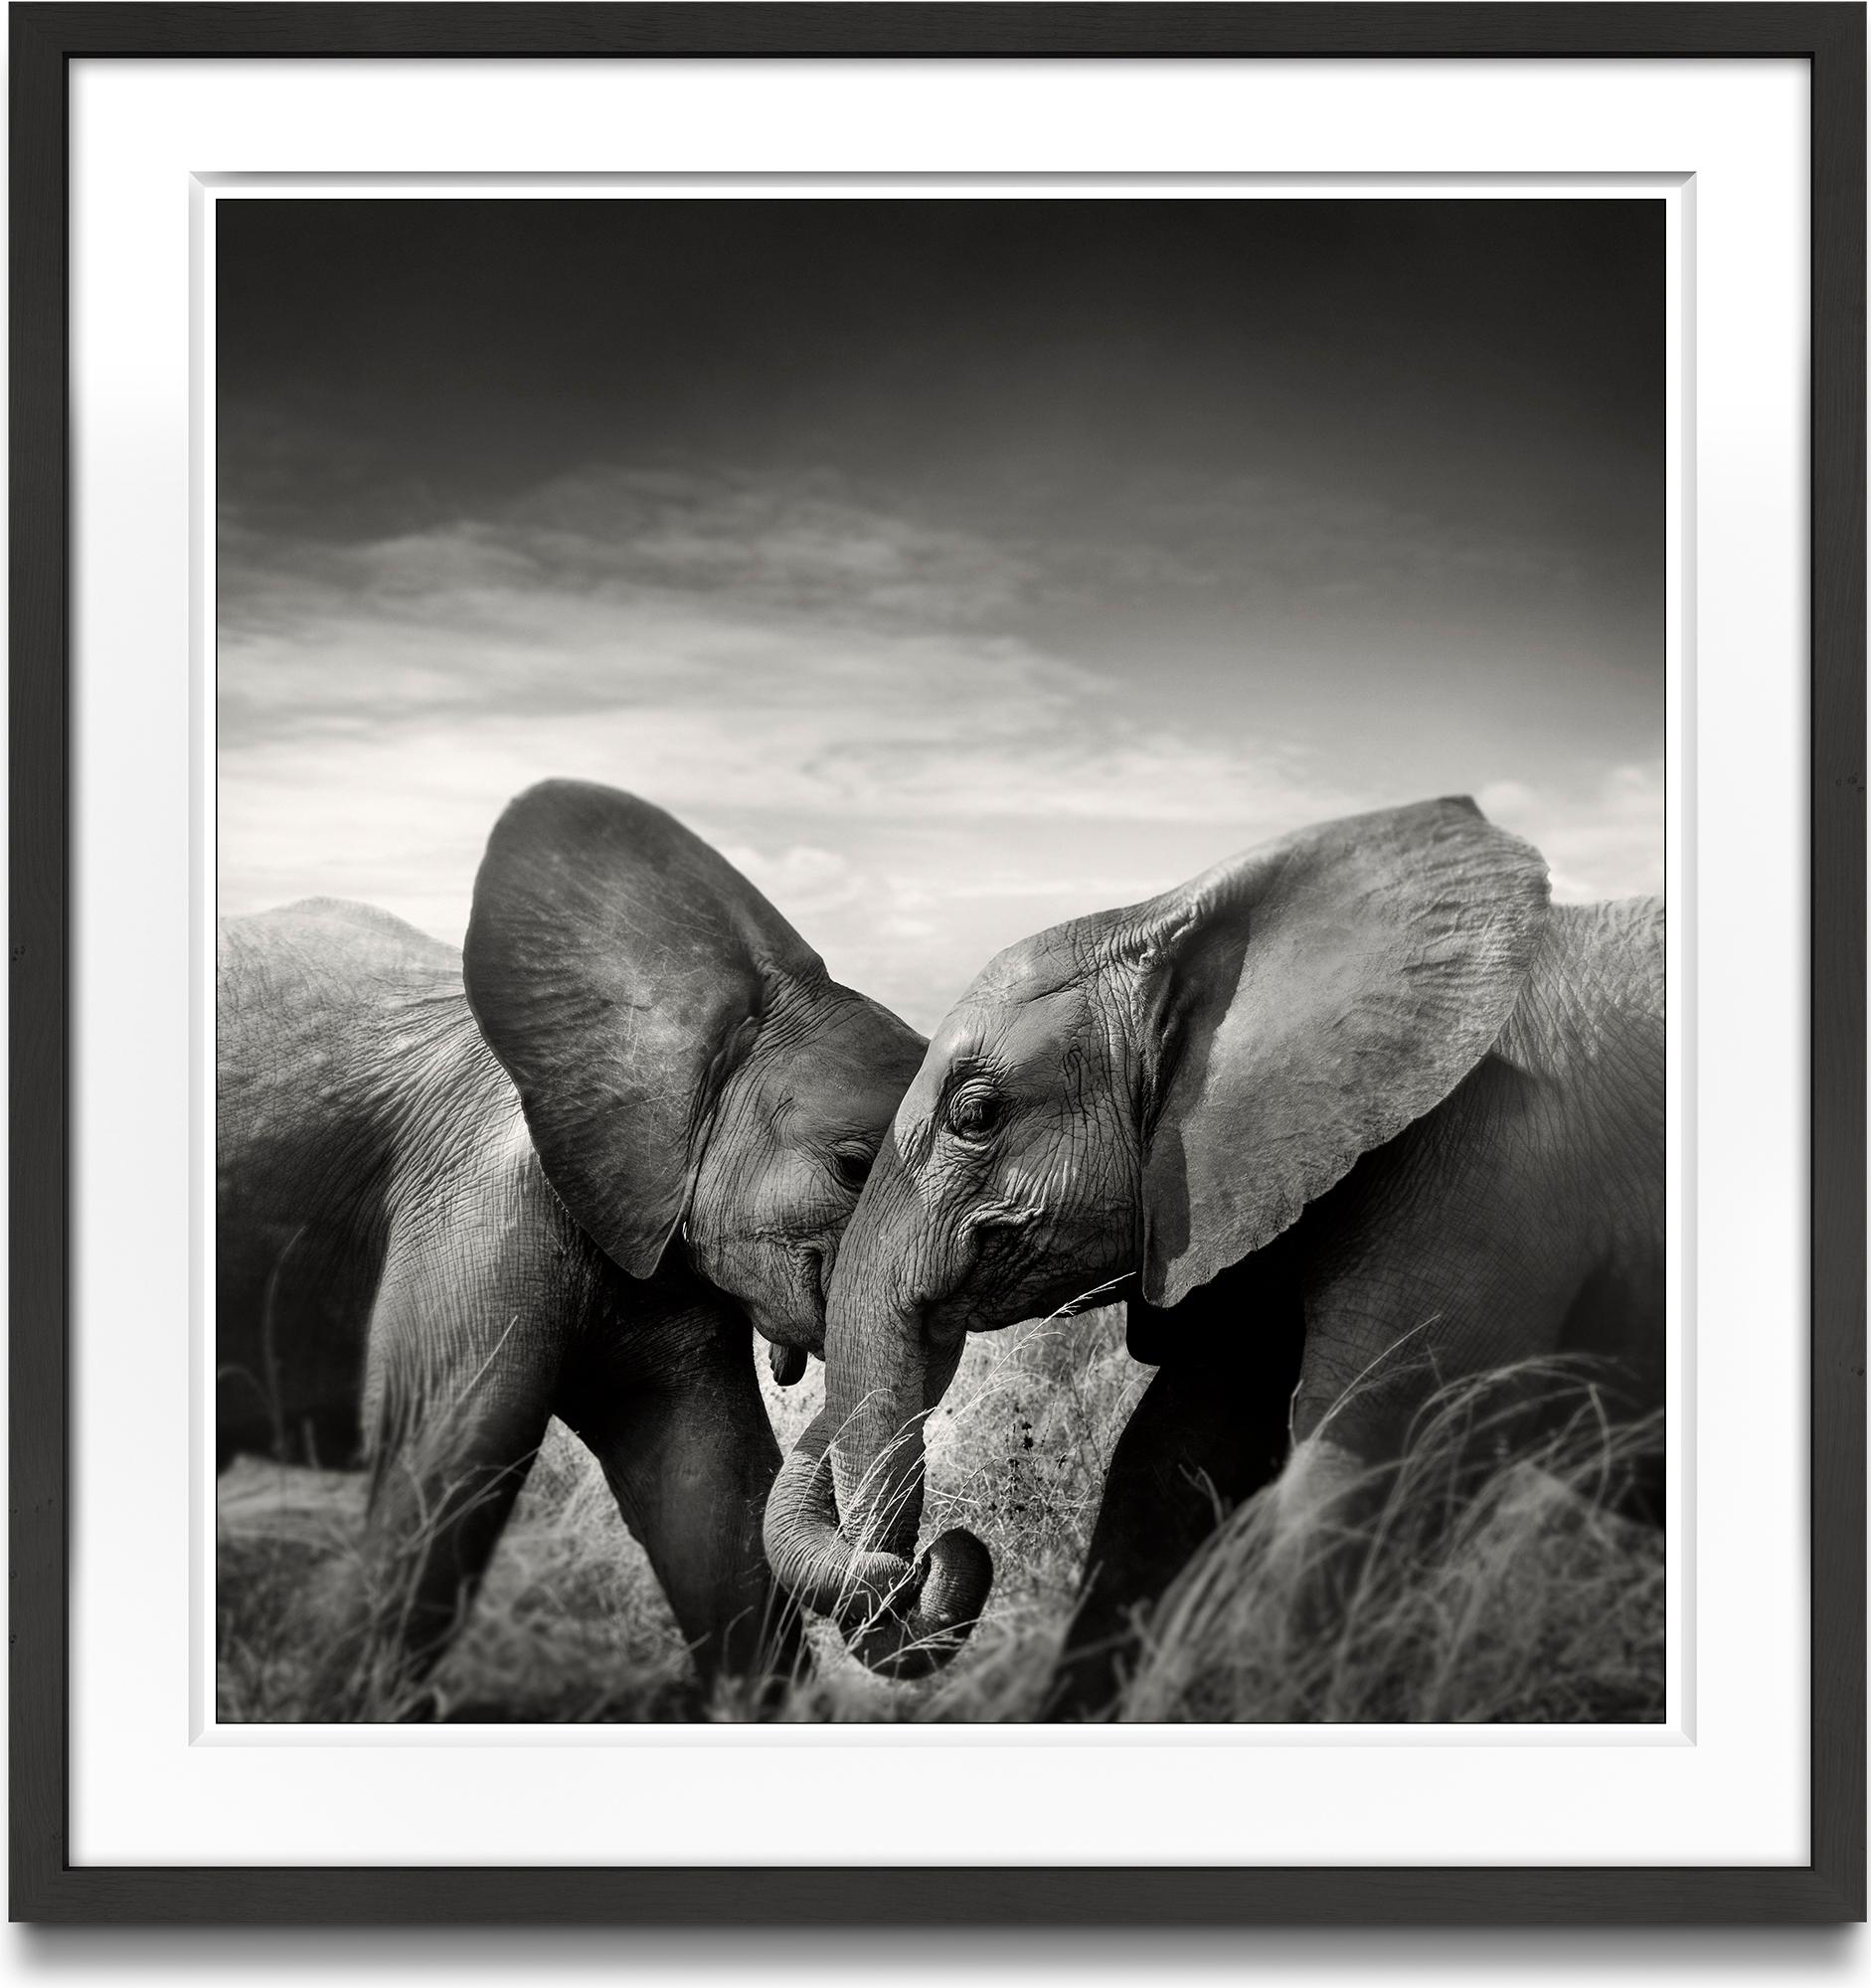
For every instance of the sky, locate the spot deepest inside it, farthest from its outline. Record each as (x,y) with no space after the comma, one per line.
(955,566)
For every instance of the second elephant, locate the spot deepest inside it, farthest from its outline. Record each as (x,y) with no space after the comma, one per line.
(1358,1111)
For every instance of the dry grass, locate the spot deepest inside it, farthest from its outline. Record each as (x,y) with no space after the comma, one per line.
(569,1624)
(1481,1585)
(1508,1592)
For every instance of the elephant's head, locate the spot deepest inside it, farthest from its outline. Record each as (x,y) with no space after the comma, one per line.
(683,1060)
(1155,1091)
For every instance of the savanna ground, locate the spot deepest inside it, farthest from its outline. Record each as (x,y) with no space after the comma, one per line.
(1507,1593)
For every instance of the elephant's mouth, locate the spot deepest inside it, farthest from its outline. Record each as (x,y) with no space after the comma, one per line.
(789,1310)
(787,1358)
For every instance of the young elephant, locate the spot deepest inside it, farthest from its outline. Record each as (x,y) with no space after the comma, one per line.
(450,1190)
(1356,1107)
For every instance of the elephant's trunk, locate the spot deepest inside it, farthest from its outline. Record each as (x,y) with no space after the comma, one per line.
(843,1516)
(903,1620)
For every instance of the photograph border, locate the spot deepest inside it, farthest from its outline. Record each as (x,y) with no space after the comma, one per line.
(45,1886)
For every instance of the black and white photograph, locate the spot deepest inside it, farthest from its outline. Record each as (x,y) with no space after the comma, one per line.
(940,964)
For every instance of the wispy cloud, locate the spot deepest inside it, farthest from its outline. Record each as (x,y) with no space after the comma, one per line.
(856,701)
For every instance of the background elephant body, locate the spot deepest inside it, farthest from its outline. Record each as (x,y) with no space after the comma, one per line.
(410,1170)
(316,1005)
(1360,1115)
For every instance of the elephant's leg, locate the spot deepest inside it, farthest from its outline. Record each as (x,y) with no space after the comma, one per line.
(1210,1431)
(672,1410)
(465,1350)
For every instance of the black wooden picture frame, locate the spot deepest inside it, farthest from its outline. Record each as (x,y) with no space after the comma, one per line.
(45,1886)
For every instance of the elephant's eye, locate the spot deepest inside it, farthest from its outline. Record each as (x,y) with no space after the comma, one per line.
(973,1112)
(853,1168)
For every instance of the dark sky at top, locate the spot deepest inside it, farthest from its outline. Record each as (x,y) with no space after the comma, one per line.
(1370,490)
(1503,356)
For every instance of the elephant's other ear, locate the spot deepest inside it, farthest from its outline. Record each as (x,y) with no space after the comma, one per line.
(619,969)
(1305,1002)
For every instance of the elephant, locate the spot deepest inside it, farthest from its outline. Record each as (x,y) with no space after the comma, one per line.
(554,1172)
(1355,1113)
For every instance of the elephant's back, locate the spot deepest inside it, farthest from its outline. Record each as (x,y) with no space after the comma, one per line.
(319,968)
(1615,950)
(326,1015)
(323,951)
(1591,1033)
(343,1050)
(1595,997)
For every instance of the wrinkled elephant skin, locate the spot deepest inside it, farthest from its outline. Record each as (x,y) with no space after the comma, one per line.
(555,1174)
(1348,1115)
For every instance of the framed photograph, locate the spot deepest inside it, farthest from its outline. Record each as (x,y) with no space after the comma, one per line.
(958,899)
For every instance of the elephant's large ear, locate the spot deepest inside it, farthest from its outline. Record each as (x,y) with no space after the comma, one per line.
(1305,1002)
(619,969)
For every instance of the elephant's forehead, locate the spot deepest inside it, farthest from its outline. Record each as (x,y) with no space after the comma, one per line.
(999,1030)
(1038,965)
(959,1038)
(849,1068)
(860,1035)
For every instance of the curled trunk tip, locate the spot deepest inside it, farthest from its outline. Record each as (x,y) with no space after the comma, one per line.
(900,1619)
